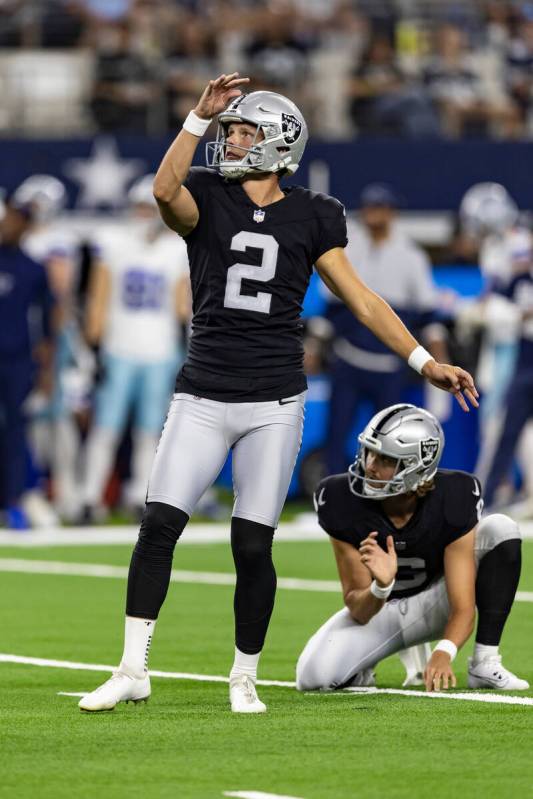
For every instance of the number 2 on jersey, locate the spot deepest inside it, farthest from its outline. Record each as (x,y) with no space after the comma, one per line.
(259,302)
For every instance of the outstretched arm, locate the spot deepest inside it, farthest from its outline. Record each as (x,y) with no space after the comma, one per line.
(460,575)
(376,314)
(176,204)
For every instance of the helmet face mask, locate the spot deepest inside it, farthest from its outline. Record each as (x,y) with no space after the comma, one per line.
(410,436)
(283,129)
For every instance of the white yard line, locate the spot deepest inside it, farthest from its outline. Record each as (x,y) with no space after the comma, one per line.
(304,528)
(501,699)
(23,566)
(170,675)
(178,575)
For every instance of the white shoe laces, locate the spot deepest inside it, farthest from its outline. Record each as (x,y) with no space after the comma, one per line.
(116,675)
(248,689)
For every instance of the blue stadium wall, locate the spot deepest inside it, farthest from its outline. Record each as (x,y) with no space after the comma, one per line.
(431,175)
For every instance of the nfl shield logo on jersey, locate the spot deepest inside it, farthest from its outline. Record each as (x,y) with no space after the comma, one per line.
(429,448)
(291,128)
(259,215)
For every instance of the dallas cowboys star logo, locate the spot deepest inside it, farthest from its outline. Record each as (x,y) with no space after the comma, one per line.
(104,175)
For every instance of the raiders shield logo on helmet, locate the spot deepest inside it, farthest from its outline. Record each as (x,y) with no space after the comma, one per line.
(291,128)
(429,448)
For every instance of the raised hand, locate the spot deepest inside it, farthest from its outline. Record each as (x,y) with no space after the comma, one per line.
(453,379)
(381,565)
(218,93)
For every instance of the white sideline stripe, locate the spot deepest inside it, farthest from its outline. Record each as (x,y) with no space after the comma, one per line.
(177,575)
(304,528)
(70,693)
(499,699)
(257,795)
(177,675)
(170,675)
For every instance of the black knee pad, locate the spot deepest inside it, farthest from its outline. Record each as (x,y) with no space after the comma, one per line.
(161,526)
(509,551)
(251,542)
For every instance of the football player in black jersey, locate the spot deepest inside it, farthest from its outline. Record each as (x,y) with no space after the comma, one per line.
(252,245)
(414,559)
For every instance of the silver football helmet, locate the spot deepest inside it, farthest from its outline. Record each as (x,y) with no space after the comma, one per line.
(44,195)
(141,192)
(487,208)
(282,125)
(410,435)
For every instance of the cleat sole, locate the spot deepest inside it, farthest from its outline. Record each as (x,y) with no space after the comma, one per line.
(97,709)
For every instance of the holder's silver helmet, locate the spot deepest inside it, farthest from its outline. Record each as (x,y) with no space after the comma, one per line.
(487,208)
(45,195)
(282,125)
(410,435)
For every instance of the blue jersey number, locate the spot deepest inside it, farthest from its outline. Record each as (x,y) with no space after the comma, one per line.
(143,290)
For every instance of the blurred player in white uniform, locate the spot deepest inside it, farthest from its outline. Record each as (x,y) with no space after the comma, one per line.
(137,288)
(54,435)
(489,214)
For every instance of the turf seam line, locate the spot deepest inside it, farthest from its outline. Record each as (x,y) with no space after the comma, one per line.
(257,795)
(176,675)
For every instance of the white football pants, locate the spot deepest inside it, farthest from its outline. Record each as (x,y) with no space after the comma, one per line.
(265,438)
(342,647)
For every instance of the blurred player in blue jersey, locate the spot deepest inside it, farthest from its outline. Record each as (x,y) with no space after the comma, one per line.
(54,433)
(489,214)
(25,353)
(519,401)
(136,289)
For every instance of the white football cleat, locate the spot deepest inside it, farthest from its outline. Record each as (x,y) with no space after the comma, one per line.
(121,687)
(415,660)
(489,673)
(243,696)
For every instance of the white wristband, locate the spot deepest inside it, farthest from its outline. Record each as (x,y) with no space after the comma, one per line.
(195,124)
(381,592)
(418,359)
(447,646)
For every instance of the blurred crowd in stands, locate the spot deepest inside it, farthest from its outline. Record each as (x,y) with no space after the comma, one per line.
(94,328)
(388,67)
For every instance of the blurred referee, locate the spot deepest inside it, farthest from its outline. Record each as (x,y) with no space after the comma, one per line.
(397,269)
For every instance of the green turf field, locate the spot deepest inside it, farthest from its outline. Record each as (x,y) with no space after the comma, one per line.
(185,743)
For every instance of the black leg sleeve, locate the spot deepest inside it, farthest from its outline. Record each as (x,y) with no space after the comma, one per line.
(251,544)
(497,580)
(151,561)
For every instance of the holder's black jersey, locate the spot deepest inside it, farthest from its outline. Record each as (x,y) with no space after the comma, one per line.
(250,268)
(445,514)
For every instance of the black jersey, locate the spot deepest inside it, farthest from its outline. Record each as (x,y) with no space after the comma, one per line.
(250,268)
(442,516)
